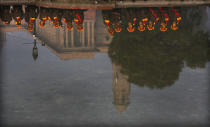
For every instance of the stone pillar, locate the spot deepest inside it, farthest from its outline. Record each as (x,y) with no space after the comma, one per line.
(67,39)
(93,34)
(83,38)
(72,38)
(88,32)
(121,89)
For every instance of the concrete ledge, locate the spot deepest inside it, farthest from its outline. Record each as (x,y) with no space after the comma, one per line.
(16,2)
(75,5)
(114,4)
(160,3)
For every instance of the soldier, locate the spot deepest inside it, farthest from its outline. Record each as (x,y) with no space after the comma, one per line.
(56,17)
(17,14)
(153,19)
(116,20)
(78,19)
(43,16)
(131,16)
(107,20)
(30,16)
(68,17)
(177,19)
(163,27)
(141,26)
(165,20)
(141,18)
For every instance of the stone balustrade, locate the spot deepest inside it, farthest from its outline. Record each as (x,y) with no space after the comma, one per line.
(117,3)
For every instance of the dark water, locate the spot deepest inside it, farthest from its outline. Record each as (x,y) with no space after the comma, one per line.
(85,67)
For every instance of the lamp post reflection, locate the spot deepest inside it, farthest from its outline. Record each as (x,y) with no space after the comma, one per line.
(35,50)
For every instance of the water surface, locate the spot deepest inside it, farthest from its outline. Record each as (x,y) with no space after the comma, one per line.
(118,67)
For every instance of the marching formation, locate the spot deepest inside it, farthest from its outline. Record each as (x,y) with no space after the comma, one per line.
(141,19)
(56,16)
(116,20)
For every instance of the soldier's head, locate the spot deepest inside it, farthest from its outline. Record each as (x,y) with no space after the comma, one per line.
(69,26)
(110,31)
(56,25)
(80,27)
(174,26)
(118,29)
(18,23)
(163,27)
(150,26)
(30,26)
(42,23)
(141,26)
(130,24)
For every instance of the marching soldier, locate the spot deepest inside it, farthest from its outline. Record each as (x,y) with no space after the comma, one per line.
(165,20)
(79,19)
(130,14)
(107,20)
(153,19)
(56,17)
(43,16)
(177,18)
(68,17)
(17,14)
(30,16)
(116,20)
(142,19)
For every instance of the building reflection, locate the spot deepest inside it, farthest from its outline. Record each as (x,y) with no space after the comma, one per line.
(128,35)
(74,42)
(121,89)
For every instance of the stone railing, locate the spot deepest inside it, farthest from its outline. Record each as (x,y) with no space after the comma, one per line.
(16,1)
(117,2)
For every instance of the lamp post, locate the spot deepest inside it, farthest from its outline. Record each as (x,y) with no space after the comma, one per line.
(35,49)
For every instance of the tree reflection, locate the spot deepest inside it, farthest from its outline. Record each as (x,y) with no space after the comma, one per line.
(155,59)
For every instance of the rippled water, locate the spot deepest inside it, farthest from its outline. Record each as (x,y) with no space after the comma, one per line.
(115,67)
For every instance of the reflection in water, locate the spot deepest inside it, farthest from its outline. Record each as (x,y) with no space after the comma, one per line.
(137,56)
(157,64)
(121,89)
(35,50)
(31,13)
(140,19)
(116,20)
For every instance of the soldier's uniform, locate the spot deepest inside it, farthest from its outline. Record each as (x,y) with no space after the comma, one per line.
(131,16)
(107,21)
(79,19)
(17,14)
(43,16)
(68,17)
(31,13)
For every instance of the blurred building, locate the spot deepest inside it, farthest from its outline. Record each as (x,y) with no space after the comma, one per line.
(76,44)
(121,89)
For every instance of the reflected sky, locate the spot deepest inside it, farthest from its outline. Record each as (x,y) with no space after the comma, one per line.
(92,77)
